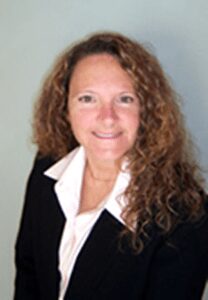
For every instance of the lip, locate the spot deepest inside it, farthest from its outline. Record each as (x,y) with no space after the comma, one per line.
(107,135)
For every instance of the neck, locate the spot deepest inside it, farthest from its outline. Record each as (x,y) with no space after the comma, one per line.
(102,171)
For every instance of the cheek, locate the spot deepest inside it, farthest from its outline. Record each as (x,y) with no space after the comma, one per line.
(80,121)
(133,130)
(132,121)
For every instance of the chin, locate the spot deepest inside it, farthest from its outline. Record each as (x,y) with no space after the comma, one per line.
(106,155)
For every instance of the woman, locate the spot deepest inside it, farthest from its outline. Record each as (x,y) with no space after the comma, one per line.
(114,207)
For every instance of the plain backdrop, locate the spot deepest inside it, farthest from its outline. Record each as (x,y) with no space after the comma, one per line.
(32,33)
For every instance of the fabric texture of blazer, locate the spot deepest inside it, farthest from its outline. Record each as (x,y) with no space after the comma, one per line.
(170,267)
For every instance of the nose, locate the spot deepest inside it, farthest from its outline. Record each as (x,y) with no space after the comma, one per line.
(107,113)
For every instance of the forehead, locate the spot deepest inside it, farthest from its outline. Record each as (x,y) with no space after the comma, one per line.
(102,67)
(96,60)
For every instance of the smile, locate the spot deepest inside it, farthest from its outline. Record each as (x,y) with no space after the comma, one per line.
(108,136)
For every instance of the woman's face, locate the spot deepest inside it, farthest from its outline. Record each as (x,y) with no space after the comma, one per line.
(103,108)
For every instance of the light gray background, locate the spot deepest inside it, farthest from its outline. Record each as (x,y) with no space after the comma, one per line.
(33,32)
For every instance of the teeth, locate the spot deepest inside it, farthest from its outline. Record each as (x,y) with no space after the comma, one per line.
(107,135)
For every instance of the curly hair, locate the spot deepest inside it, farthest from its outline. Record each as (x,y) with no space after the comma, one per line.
(165,186)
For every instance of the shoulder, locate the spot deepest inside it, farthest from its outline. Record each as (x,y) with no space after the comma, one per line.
(179,264)
(193,228)
(41,164)
(37,179)
(189,242)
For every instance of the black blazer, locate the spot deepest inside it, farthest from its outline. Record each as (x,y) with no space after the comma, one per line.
(171,267)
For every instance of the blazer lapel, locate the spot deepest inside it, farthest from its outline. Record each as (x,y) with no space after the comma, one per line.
(95,257)
(51,224)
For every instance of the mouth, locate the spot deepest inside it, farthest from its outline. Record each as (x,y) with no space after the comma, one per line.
(107,135)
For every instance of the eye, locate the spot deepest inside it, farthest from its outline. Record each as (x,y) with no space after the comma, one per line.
(86,99)
(126,99)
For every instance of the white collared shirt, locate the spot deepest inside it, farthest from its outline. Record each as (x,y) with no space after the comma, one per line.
(69,174)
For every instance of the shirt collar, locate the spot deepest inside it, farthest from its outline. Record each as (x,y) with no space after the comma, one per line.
(57,170)
(69,173)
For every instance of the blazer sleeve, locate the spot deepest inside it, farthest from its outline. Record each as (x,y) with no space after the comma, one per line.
(26,283)
(179,267)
